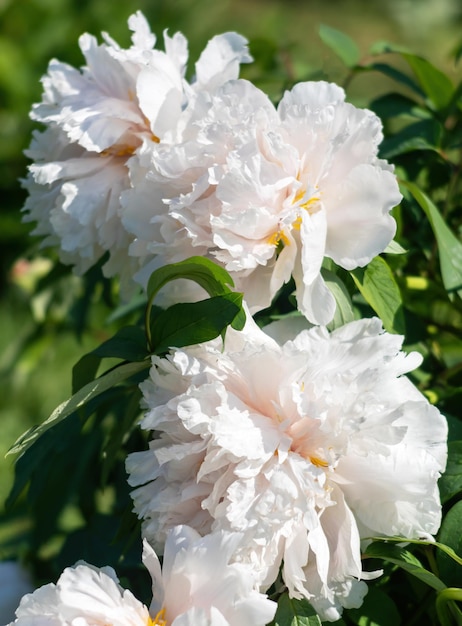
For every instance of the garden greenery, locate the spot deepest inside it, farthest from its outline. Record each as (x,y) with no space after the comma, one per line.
(278,410)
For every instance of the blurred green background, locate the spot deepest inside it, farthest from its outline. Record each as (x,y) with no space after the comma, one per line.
(35,375)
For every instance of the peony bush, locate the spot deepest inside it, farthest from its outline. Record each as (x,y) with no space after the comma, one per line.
(264,438)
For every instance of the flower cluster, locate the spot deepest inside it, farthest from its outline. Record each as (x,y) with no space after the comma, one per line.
(148,168)
(277,453)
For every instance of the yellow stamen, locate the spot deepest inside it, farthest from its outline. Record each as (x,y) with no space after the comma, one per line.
(159,619)
(297,223)
(118,151)
(278,238)
(318,462)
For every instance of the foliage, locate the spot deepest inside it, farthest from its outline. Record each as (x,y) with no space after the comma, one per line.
(70,469)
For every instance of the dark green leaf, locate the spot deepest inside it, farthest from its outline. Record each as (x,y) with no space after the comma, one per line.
(396,75)
(450,483)
(291,612)
(194,322)
(378,609)
(449,247)
(422,135)
(395,105)
(406,560)
(128,344)
(380,290)
(450,534)
(77,401)
(341,44)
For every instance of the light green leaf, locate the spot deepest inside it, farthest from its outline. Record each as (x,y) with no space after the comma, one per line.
(291,612)
(380,290)
(436,85)
(210,276)
(394,248)
(78,400)
(406,560)
(341,44)
(344,310)
(449,247)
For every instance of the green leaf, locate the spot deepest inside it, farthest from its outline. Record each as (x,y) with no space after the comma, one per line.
(210,276)
(378,609)
(436,85)
(77,401)
(291,612)
(423,542)
(341,44)
(394,248)
(396,75)
(128,344)
(406,560)
(446,607)
(344,310)
(450,535)
(422,135)
(449,247)
(189,323)
(396,105)
(450,483)
(380,290)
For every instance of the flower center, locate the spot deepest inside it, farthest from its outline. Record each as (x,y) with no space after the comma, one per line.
(308,442)
(280,238)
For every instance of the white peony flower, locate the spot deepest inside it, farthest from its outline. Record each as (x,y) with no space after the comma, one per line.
(97,118)
(270,193)
(197,586)
(305,449)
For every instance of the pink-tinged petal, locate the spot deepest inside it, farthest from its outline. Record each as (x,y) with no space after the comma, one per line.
(359,221)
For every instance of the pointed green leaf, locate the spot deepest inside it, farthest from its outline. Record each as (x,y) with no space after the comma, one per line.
(433,82)
(78,400)
(436,85)
(449,247)
(380,290)
(394,248)
(406,560)
(341,44)
(194,322)
(291,612)
(422,542)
